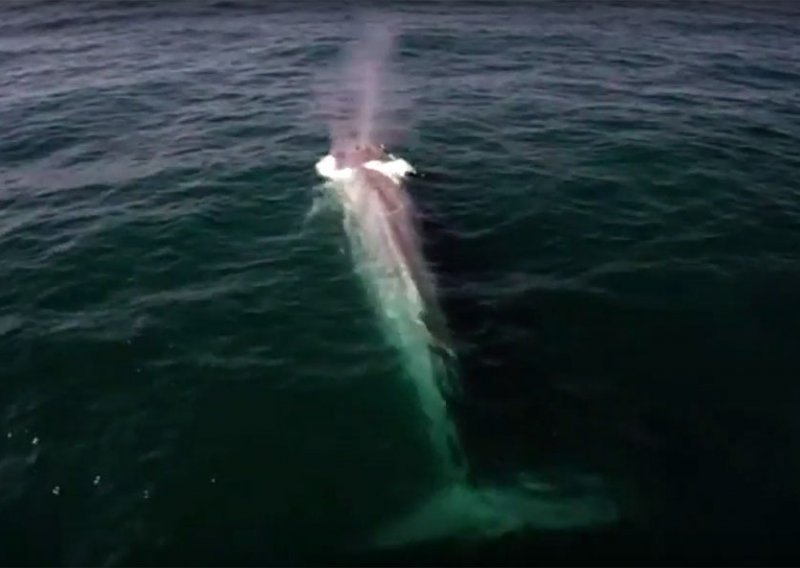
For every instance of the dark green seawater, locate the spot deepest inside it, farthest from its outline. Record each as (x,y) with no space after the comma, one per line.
(191,371)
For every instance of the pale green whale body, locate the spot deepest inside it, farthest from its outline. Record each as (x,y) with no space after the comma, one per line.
(380,222)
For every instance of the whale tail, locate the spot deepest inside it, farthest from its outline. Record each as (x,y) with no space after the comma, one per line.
(465,512)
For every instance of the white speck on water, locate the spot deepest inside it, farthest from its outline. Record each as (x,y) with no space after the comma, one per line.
(35,440)
(213,480)
(146,494)
(96,480)
(56,490)
(9,435)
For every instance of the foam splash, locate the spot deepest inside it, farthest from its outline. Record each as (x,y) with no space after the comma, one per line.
(394,168)
(328,169)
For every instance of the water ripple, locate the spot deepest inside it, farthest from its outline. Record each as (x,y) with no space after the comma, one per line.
(615,182)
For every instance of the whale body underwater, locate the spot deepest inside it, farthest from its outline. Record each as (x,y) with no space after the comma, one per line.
(382,225)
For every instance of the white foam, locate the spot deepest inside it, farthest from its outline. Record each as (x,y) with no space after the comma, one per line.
(326,167)
(394,168)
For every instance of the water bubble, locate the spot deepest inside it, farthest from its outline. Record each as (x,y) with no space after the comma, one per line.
(9,435)
(146,494)
(56,490)
(213,480)
(35,440)
(96,480)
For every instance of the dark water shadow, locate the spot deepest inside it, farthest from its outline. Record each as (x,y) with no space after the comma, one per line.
(508,399)
(528,402)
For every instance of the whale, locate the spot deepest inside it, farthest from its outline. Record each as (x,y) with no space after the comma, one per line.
(383,227)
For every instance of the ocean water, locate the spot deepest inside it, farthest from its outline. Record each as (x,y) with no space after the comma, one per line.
(191,371)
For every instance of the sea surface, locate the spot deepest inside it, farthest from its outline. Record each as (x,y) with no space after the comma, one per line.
(191,373)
